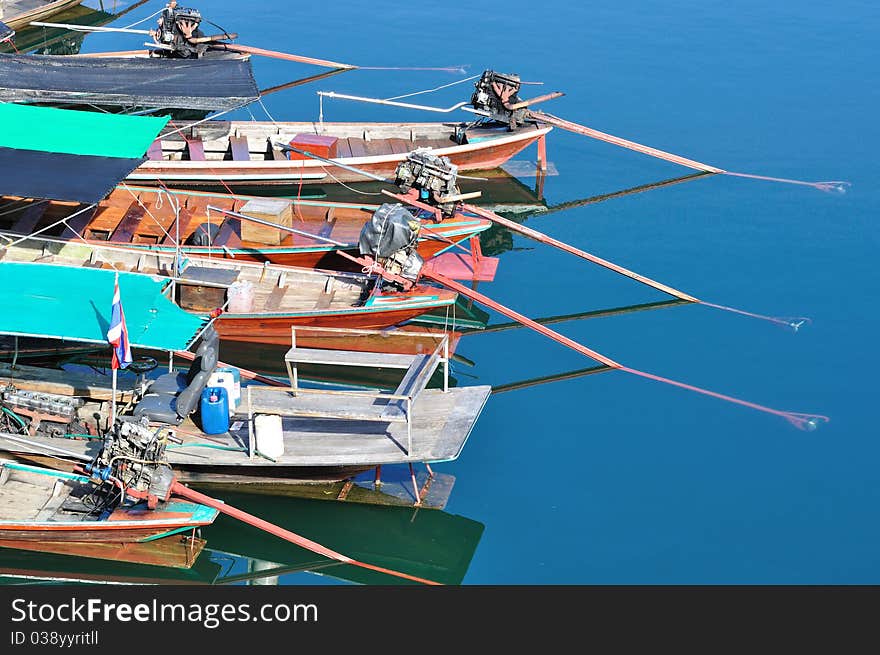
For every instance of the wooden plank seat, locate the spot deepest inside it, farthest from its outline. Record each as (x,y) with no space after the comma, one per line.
(154,152)
(77,225)
(156,223)
(343,150)
(181,225)
(382,407)
(238,149)
(348,358)
(195,149)
(128,226)
(227,236)
(273,153)
(414,382)
(29,218)
(105,221)
(357,146)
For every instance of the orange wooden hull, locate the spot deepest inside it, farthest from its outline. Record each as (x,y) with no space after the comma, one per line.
(484,155)
(276,330)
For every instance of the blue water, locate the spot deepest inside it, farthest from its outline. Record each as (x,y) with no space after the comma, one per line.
(612,478)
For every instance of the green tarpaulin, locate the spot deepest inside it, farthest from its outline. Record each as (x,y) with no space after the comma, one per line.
(66,302)
(47,129)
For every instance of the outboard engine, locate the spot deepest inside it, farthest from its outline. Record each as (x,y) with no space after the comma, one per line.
(432,176)
(176,27)
(134,455)
(390,238)
(494,96)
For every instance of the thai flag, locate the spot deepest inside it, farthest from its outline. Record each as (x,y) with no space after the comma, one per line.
(117,334)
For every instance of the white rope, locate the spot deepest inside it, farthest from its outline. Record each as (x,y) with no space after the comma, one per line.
(338,181)
(416,93)
(143,20)
(48,227)
(18,209)
(158,206)
(260,100)
(204,120)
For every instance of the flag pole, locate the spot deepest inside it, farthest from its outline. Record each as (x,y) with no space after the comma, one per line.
(113,402)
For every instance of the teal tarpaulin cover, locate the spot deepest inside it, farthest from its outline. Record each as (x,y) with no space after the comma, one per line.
(66,302)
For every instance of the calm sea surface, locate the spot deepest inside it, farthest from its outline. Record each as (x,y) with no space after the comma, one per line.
(614,479)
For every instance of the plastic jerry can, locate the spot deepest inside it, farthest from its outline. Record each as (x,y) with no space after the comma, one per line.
(229,379)
(215,410)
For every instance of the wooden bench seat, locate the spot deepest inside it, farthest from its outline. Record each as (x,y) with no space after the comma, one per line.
(348,358)
(29,218)
(195,149)
(128,226)
(238,149)
(414,382)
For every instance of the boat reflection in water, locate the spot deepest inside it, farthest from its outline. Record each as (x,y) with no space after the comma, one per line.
(58,41)
(431,544)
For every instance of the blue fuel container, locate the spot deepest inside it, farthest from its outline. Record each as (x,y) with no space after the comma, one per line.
(215,410)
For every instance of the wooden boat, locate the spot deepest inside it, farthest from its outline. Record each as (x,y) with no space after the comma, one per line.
(19,13)
(218,154)
(146,219)
(282,296)
(327,434)
(39,505)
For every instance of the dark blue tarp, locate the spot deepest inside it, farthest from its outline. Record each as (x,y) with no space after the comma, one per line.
(212,84)
(61,176)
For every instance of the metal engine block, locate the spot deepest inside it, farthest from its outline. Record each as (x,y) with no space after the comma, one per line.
(494,94)
(50,404)
(435,178)
(135,455)
(46,414)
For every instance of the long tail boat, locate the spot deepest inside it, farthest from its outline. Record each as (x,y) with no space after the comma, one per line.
(44,505)
(219,154)
(325,434)
(282,297)
(147,219)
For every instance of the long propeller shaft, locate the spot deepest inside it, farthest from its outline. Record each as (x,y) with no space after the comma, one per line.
(561,123)
(799,420)
(794,323)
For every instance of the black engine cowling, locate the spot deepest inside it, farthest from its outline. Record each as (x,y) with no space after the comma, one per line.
(390,237)
(494,94)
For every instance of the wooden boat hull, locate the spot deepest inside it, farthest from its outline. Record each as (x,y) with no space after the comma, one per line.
(142,219)
(484,154)
(23,521)
(256,329)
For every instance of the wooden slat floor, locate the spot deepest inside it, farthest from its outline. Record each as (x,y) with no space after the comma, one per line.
(441,425)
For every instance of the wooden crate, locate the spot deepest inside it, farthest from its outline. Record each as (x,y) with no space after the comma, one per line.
(204,297)
(267,209)
(317,144)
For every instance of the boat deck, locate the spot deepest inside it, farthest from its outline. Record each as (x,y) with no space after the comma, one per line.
(441,424)
(32,497)
(240,141)
(276,290)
